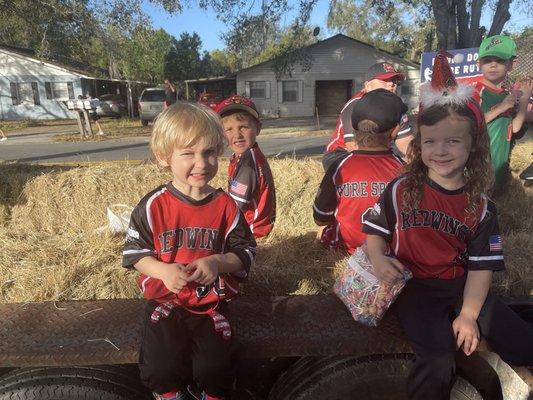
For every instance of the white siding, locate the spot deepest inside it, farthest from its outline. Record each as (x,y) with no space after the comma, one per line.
(19,69)
(336,59)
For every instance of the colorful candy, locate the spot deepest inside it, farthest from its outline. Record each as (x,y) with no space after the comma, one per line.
(365,296)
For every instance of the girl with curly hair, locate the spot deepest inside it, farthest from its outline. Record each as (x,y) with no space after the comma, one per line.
(437,222)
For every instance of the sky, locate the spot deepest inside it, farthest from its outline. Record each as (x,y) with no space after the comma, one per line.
(209,28)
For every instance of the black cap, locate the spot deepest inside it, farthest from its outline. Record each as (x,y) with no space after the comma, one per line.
(380,106)
(383,71)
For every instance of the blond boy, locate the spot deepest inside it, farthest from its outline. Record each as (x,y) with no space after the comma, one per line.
(191,245)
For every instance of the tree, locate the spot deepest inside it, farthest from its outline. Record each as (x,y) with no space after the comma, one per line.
(185,59)
(362,20)
(458,22)
(251,31)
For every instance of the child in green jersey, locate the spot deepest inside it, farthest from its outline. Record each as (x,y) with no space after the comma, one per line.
(504,111)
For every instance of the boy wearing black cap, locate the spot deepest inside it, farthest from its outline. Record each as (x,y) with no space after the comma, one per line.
(379,76)
(353,185)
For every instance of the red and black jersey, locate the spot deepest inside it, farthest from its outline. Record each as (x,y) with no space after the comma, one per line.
(349,189)
(437,239)
(174,228)
(251,185)
(344,130)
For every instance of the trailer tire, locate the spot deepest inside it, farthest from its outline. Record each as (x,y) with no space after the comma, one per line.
(73,383)
(369,378)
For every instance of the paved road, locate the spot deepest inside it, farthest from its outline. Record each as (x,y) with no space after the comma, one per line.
(40,147)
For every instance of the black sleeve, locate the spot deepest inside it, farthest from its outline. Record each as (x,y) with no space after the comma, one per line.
(241,242)
(139,239)
(381,219)
(485,250)
(326,198)
(245,182)
(346,118)
(405,127)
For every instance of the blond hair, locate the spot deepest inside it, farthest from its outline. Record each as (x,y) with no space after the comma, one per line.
(182,125)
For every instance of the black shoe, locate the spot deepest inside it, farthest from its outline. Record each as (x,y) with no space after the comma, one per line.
(527,174)
(195,393)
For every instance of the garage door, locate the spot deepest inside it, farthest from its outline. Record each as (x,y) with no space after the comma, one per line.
(332,95)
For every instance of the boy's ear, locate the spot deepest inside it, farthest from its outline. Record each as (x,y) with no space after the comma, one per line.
(512,63)
(161,160)
(393,133)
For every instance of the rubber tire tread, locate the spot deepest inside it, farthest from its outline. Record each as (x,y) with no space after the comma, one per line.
(331,378)
(110,382)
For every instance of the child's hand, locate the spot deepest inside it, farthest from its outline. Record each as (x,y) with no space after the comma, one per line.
(387,269)
(509,102)
(175,277)
(203,271)
(526,87)
(466,333)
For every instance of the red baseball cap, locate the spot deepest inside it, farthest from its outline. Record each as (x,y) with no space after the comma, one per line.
(237,103)
(383,71)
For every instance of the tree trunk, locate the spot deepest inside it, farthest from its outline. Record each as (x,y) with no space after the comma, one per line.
(501,16)
(463,31)
(475,16)
(445,22)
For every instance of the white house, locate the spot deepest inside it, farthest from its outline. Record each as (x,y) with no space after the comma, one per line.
(33,89)
(338,66)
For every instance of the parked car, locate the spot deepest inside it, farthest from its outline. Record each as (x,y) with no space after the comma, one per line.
(151,103)
(209,99)
(112,105)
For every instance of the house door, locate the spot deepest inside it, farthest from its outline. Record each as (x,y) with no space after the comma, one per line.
(332,95)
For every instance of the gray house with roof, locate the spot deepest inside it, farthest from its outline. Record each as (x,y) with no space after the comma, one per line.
(337,69)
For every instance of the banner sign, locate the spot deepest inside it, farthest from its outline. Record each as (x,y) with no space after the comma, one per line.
(463,64)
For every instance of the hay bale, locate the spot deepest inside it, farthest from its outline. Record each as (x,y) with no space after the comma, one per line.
(53,250)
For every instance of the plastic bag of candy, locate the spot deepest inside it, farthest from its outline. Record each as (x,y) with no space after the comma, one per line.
(365,296)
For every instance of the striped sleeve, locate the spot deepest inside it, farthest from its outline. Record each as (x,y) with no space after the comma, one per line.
(485,249)
(380,219)
(326,198)
(405,127)
(346,118)
(139,239)
(241,242)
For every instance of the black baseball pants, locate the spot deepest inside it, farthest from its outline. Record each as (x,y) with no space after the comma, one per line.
(182,348)
(426,308)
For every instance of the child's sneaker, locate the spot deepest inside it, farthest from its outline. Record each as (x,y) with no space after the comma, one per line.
(170,396)
(197,394)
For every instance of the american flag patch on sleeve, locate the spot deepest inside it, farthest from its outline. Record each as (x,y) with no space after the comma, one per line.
(495,243)
(238,187)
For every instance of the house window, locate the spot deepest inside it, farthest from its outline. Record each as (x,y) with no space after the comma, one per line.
(290,91)
(258,90)
(25,93)
(59,90)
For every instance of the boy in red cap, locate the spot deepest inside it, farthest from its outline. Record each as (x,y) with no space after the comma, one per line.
(250,181)
(379,76)
(355,184)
